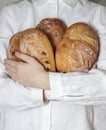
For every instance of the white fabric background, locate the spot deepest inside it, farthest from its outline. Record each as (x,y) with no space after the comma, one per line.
(5,2)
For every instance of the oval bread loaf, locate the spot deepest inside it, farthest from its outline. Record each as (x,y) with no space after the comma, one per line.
(79,49)
(54,28)
(35,43)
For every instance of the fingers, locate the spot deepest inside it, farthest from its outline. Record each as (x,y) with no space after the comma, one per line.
(24,57)
(10,68)
(10,63)
(11,71)
(28,59)
(94,66)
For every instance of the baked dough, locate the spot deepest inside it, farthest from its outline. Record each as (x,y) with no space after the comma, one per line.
(79,49)
(35,43)
(54,28)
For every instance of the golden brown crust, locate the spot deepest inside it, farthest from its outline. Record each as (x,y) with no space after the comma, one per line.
(14,45)
(34,43)
(84,32)
(78,51)
(54,28)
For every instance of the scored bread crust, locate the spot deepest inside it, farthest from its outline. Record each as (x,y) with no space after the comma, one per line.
(14,45)
(35,43)
(79,49)
(54,28)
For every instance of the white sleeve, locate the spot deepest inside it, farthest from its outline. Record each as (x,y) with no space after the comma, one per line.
(83,88)
(79,88)
(12,94)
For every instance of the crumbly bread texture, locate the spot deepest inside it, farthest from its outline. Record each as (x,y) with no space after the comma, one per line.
(35,43)
(54,28)
(78,50)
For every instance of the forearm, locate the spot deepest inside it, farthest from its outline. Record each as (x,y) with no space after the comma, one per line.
(43,81)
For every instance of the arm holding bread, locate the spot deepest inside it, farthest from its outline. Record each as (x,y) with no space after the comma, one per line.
(29,73)
(78,87)
(85,93)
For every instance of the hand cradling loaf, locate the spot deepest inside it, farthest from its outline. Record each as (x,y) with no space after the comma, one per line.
(57,47)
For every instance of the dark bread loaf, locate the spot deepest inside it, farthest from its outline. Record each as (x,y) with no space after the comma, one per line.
(54,28)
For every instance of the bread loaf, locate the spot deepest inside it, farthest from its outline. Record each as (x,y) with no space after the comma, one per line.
(79,49)
(54,28)
(35,43)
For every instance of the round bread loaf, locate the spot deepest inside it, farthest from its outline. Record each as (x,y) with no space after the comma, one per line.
(35,43)
(54,28)
(79,49)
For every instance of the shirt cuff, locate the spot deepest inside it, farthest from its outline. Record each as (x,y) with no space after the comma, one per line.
(56,85)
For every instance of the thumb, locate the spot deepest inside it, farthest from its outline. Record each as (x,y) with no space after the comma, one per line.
(24,57)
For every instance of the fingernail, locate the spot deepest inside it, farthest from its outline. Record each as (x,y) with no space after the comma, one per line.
(17,53)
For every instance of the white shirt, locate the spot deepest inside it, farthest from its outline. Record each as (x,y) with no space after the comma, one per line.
(76,101)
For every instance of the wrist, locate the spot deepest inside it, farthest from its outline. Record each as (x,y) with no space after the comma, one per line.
(45,81)
(40,81)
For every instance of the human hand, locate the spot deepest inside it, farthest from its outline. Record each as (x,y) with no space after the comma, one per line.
(94,66)
(30,73)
